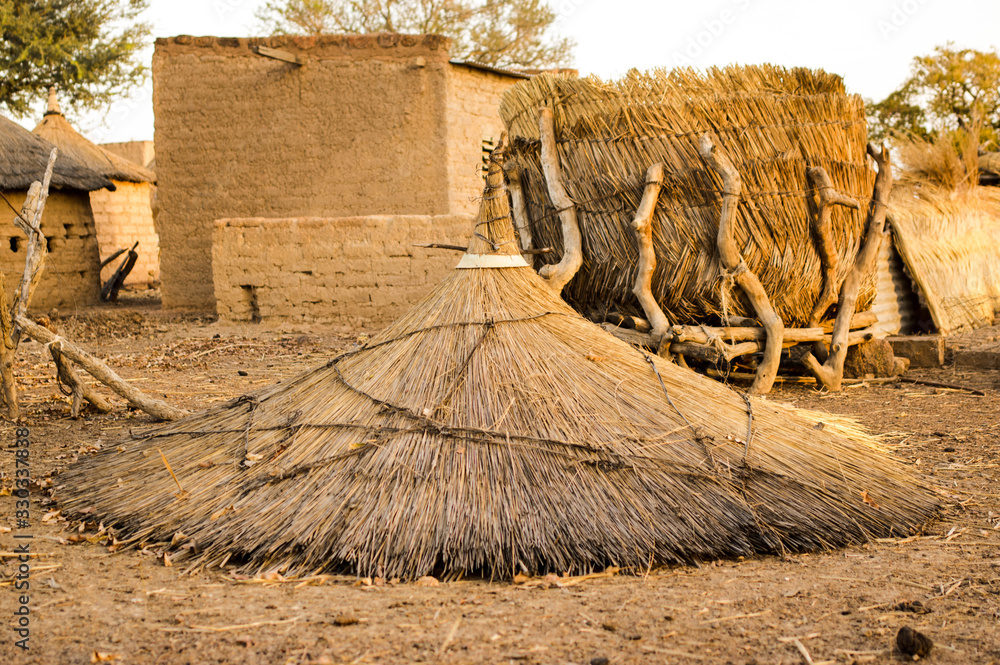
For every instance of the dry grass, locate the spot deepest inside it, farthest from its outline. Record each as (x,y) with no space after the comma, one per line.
(772,122)
(492,430)
(950,243)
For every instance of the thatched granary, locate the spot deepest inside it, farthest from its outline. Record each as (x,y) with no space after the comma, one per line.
(774,123)
(491,430)
(122,216)
(70,278)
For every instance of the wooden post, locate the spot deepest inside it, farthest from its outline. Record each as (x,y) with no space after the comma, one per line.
(30,221)
(519,207)
(823,229)
(831,373)
(643,225)
(732,262)
(101,372)
(7,355)
(559,274)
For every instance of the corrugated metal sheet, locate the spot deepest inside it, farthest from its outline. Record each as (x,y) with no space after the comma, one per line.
(895,299)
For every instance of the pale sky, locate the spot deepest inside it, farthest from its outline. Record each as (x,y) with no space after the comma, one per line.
(869,42)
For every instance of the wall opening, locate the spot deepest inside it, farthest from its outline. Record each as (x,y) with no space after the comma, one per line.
(250,302)
(15,244)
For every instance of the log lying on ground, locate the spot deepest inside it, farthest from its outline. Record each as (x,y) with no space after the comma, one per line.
(559,274)
(736,269)
(100,371)
(831,373)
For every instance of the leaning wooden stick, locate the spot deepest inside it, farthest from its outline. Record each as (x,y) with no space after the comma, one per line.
(559,274)
(831,373)
(30,221)
(643,226)
(100,371)
(732,262)
(823,230)
(7,355)
(519,207)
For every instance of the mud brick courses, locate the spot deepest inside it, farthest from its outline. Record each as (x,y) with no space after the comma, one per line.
(70,276)
(368,125)
(349,271)
(123,217)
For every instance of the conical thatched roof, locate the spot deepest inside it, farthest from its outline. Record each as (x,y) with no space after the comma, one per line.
(493,429)
(55,129)
(24,156)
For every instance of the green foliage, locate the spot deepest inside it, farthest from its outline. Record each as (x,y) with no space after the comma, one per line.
(512,33)
(946,91)
(89,49)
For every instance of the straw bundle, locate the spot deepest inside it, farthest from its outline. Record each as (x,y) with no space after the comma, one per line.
(491,430)
(772,122)
(950,243)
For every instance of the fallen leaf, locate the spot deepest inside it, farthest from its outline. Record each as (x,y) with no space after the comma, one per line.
(98,657)
(867,499)
(427,580)
(166,561)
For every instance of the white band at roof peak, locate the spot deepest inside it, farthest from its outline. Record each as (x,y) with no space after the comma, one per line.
(492,261)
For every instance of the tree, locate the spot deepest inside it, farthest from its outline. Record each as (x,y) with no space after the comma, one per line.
(946,91)
(511,33)
(89,49)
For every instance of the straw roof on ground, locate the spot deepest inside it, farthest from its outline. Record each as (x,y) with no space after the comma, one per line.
(950,243)
(772,122)
(492,430)
(55,129)
(24,156)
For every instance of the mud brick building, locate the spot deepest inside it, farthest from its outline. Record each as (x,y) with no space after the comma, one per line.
(295,127)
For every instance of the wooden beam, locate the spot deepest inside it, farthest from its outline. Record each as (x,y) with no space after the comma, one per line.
(278,54)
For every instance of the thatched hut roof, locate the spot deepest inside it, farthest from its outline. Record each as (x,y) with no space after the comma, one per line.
(24,156)
(772,122)
(55,129)
(492,429)
(950,244)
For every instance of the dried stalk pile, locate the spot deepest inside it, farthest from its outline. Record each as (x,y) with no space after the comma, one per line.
(491,430)
(772,122)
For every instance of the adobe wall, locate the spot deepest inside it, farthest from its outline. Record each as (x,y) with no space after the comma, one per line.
(357,130)
(473,115)
(70,276)
(122,217)
(349,271)
(140,152)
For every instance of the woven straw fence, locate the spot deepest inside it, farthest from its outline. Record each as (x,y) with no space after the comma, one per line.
(773,123)
(951,247)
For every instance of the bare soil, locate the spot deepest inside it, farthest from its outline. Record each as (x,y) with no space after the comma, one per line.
(89,604)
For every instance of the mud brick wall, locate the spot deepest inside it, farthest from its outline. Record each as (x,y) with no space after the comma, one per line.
(70,277)
(348,271)
(140,152)
(122,217)
(472,113)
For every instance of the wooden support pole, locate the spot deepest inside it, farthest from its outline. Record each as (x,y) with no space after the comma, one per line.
(643,226)
(519,206)
(30,221)
(823,230)
(101,372)
(831,373)
(7,355)
(559,274)
(80,390)
(736,269)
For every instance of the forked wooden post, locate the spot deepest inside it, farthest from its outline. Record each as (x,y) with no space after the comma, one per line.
(831,373)
(7,356)
(519,207)
(823,230)
(643,226)
(559,274)
(732,262)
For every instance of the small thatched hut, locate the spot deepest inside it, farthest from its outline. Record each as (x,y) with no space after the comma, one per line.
(773,122)
(122,216)
(70,277)
(491,430)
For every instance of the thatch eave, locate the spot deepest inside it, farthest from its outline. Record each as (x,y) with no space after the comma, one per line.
(24,156)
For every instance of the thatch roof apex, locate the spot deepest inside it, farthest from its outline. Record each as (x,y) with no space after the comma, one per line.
(55,129)
(24,156)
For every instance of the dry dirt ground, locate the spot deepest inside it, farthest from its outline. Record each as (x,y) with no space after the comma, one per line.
(88,604)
